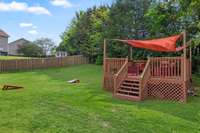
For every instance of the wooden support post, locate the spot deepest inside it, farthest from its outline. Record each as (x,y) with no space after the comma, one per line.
(131,53)
(185,56)
(104,54)
(185,67)
(104,49)
(190,61)
(104,62)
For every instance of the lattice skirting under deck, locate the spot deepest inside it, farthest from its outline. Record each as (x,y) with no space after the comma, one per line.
(166,89)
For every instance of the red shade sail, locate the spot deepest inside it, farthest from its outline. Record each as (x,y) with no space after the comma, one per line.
(167,44)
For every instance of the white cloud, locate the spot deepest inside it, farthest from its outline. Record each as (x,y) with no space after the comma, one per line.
(34,27)
(22,6)
(62,3)
(22,25)
(38,10)
(27,25)
(15,6)
(33,32)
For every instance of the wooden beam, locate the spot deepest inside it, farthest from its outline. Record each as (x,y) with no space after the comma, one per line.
(11,87)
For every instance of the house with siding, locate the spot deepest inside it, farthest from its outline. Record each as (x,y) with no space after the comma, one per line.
(3,42)
(61,54)
(15,45)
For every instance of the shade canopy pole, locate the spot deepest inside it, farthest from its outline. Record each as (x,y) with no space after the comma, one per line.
(104,49)
(104,54)
(185,56)
(104,61)
(131,53)
(190,61)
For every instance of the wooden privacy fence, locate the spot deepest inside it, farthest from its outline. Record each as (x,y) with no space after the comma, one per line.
(38,63)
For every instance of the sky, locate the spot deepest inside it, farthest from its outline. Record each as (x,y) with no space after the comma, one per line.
(32,19)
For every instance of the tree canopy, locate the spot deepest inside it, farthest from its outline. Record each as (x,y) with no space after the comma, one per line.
(125,19)
(46,44)
(30,50)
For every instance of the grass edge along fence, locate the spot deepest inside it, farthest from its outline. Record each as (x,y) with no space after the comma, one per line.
(39,63)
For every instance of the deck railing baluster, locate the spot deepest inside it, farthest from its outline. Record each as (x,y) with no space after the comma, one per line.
(164,67)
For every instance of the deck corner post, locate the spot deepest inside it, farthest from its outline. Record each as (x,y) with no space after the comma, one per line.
(185,67)
(185,56)
(104,62)
(104,49)
(190,61)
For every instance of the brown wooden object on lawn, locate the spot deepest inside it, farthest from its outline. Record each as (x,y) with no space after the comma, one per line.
(11,87)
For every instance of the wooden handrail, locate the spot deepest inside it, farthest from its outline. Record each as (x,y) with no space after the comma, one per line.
(146,74)
(146,67)
(121,69)
(120,75)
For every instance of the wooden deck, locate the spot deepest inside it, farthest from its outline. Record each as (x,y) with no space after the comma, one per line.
(159,77)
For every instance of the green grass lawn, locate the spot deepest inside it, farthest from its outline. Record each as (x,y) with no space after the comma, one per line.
(11,57)
(48,104)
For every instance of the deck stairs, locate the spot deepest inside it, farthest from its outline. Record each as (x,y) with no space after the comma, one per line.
(129,89)
(161,78)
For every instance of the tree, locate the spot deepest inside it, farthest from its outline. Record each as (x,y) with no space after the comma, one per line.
(86,33)
(168,18)
(126,21)
(130,19)
(46,44)
(30,50)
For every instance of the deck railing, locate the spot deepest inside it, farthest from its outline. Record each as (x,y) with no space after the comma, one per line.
(138,65)
(111,67)
(167,67)
(156,67)
(120,75)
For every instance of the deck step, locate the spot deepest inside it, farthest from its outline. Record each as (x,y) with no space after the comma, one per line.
(130,93)
(133,76)
(130,87)
(132,79)
(129,84)
(130,98)
(131,90)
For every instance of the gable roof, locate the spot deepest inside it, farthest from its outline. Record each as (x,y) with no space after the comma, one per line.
(19,40)
(3,33)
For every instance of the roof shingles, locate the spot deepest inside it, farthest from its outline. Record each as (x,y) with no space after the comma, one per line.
(3,33)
